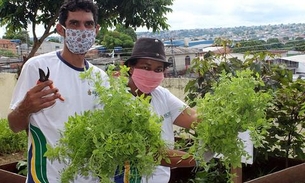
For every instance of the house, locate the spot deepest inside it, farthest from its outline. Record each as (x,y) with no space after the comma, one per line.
(7,44)
(180,56)
(48,46)
(296,63)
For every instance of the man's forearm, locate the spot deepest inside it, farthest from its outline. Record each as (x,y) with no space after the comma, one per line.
(18,119)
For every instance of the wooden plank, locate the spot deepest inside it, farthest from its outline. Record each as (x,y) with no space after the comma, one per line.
(294,174)
(6,176)
(238,172)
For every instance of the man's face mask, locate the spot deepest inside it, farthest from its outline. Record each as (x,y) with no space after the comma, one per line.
(79,41)
(146,81)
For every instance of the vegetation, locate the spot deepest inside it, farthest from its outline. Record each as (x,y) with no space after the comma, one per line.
(11,142)
(114,38)
(285,136)
(7,53)
(22,167)
(271,44)
(18,15)
(23,36)
(128,31)
(234,106)
(103,141)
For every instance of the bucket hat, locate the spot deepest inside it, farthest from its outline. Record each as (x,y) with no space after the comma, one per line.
(149,48)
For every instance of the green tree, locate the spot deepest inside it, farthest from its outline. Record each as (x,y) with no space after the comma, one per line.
(22,35)
(18,15)
(299,38)
(249,45)
(114,38)
(273,40)
(129,31)
(100,36)
(297,45)
(285,138)
(119,28)
(54,39)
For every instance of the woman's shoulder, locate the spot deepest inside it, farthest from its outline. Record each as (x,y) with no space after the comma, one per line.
(161,89)
(162,92)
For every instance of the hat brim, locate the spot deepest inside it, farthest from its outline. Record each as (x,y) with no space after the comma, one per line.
(167,64)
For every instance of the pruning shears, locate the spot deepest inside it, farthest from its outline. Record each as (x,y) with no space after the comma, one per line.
(45,77)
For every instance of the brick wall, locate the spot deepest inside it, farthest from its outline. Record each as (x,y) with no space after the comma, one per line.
(6,44)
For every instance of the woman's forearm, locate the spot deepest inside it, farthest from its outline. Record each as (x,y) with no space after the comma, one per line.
(177,158)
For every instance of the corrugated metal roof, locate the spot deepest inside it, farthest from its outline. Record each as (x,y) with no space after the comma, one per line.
(295,58)
(180,50)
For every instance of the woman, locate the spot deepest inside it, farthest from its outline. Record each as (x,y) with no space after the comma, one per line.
(147,65)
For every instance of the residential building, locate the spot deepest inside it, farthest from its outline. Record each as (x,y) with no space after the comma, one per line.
(48,46)
(7,44)
(296,63)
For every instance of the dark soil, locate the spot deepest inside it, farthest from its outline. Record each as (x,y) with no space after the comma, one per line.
(10,158)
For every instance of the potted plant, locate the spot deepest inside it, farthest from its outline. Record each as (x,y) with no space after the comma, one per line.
(102,141)
(283,138)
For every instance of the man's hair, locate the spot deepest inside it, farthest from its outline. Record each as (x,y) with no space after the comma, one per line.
(76,5)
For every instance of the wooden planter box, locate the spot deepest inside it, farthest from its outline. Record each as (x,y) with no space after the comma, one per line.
(294,174)
(179,175)
(8,173)
(275,171)
(275,167)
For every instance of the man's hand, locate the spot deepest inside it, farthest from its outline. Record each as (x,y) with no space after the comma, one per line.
(39,97)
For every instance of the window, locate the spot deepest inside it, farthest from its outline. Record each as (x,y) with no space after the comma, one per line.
(187,60)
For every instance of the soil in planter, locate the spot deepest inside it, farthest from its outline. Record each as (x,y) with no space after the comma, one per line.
(13,157)
(181,175)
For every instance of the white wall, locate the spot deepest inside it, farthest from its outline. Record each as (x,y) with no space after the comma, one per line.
(7,83)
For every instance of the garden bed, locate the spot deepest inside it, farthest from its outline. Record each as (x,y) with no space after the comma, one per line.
(8,173)
(10,158)
(272,170)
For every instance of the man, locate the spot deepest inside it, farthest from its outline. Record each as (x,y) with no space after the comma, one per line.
(43,109)
(147,66)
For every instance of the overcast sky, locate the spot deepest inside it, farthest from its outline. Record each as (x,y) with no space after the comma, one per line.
(191,14)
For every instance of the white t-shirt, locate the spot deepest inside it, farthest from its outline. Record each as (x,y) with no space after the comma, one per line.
(44,125)
(168,106)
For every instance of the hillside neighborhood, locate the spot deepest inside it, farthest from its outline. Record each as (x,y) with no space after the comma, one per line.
(182,46)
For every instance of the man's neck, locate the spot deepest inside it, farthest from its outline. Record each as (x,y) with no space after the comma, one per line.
(73,59)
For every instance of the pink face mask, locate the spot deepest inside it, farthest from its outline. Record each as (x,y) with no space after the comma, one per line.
(146,81)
